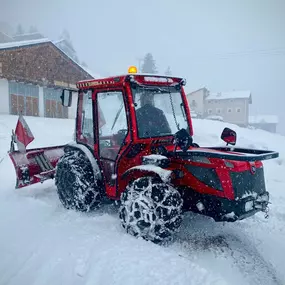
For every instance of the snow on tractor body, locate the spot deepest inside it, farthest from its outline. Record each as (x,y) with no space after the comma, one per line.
(134,144)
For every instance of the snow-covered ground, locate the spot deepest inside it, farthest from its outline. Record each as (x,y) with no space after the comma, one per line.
(42,243)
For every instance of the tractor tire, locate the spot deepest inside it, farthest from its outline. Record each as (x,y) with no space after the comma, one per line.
(76,185)
(151,209)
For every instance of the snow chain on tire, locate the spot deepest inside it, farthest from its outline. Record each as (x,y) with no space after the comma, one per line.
(151,209)
(77,189)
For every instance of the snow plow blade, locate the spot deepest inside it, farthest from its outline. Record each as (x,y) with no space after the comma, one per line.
(36,165)
(229,153)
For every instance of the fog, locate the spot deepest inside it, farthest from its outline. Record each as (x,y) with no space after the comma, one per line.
(222,44)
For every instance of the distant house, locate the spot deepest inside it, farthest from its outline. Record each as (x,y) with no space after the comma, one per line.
(196,100)
(264,122)
(232,107)
(32,76)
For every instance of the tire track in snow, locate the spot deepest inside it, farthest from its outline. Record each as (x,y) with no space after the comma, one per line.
(225,242)
(254,268)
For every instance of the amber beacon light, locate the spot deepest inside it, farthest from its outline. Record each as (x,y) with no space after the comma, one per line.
(132,69)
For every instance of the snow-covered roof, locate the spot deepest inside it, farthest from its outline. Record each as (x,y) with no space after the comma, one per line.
(63,42)
(45,40)
(268,119)
(58,41)
(93,74)
(243,94)
(23,43)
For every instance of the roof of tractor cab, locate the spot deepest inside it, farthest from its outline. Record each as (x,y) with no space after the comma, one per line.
(148,79)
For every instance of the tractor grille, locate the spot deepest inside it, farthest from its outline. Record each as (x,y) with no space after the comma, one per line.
(245,183)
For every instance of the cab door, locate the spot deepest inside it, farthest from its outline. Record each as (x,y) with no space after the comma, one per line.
(112,131)
(85,127)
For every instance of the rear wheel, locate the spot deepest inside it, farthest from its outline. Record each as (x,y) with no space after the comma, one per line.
(77,187)
(151,209)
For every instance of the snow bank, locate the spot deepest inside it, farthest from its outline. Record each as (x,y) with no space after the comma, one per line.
(47,132)
(42,243)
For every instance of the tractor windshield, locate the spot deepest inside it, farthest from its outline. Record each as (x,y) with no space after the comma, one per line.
(159,111)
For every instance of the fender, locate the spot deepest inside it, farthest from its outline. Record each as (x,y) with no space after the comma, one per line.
(90,156)
(148,169)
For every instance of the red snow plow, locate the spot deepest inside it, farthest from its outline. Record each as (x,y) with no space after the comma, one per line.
(134,143)
(36,165)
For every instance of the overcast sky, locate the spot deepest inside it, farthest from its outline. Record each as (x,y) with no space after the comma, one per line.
(219,44)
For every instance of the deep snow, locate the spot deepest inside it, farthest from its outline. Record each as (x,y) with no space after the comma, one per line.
(42,243)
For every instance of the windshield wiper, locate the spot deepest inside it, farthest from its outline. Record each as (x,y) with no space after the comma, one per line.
(117,116)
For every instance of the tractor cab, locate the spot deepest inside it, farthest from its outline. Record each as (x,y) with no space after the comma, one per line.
(119,118)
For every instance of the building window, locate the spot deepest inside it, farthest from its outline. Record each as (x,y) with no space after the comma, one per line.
(238,110)
(24,98)
(52,104)
(229,110)
(210,111)
(218,111)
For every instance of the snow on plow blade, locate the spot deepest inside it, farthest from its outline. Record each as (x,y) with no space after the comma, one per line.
(230,153)
(36,165)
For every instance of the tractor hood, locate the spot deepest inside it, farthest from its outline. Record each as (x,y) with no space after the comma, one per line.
(228,153)
(186,149)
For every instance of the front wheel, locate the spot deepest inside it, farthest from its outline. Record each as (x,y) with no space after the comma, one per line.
(151,209)
(77,187)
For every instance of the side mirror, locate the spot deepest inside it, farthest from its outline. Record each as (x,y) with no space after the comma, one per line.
(229,136)
(66,98)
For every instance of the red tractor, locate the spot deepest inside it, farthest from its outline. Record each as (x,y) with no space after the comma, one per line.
(134,144)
